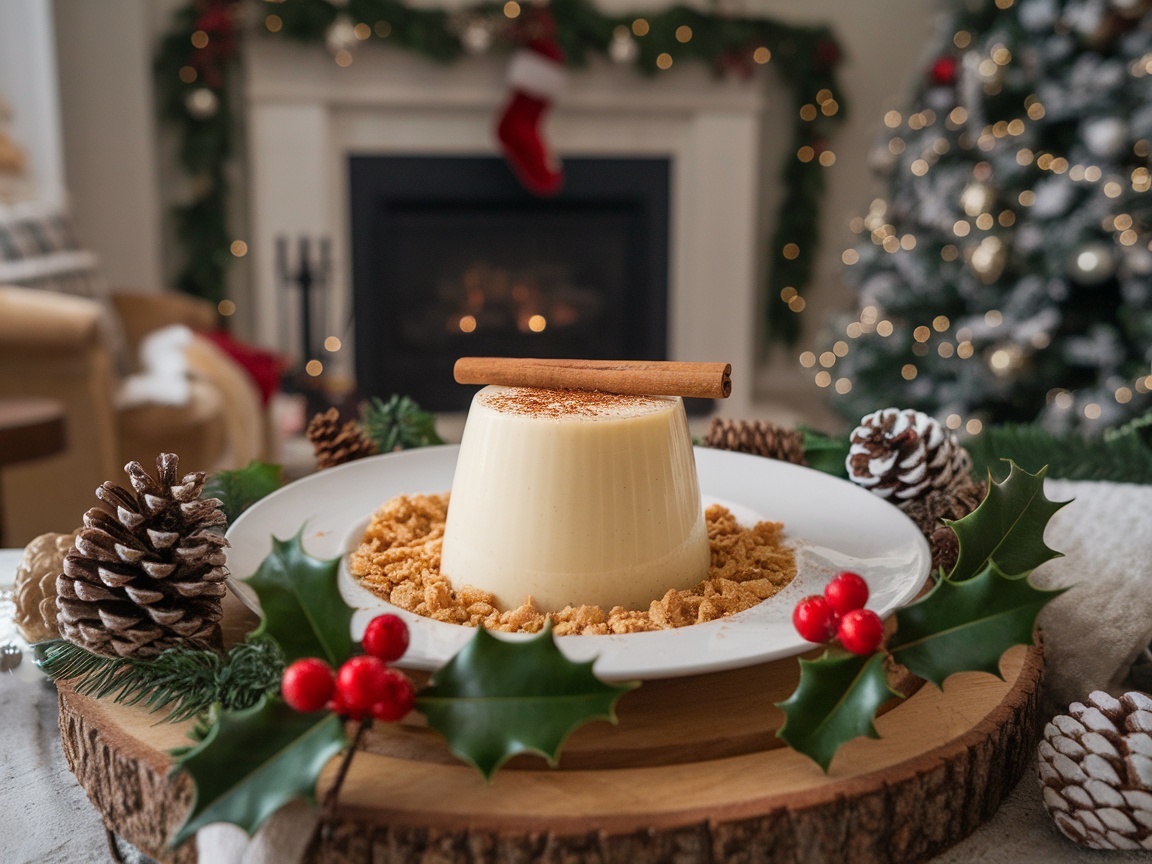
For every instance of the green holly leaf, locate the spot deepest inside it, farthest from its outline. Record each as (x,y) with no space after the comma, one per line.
(966,626)
(1007,528)
(497,698)
(825,452)
(252,762)
(240,489)
(398,424)
(836,700)
(301,605)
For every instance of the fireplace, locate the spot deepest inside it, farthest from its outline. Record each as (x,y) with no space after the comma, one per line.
(451,257)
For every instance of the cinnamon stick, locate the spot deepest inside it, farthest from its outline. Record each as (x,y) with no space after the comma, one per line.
(628,377)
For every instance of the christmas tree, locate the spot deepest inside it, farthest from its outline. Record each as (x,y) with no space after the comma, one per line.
(1007,274)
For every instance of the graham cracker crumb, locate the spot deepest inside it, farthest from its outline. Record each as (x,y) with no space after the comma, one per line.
(399,561)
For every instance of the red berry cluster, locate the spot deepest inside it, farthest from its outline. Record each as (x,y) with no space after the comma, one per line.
(840,614)
(364,685)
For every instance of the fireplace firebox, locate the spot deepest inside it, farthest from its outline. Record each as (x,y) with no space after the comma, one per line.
(450,257)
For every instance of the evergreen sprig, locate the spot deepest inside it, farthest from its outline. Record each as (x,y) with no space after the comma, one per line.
(398,424)
(181,681)
(1120,456)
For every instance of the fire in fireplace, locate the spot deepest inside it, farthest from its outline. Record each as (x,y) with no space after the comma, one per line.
(450,257)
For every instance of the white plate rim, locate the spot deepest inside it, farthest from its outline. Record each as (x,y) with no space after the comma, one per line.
(832,523)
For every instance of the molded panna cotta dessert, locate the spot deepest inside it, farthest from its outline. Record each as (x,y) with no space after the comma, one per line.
(575,497)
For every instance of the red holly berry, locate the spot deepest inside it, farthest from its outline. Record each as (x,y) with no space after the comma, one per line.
(846,592)
(308,684)
(360,684)
(814,619)
(943,73)
(386,637)
(399,698)
(861,631)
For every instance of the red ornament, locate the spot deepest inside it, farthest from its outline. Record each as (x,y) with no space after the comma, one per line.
(943,72)
(846,592)
(399,698)
(386,637)
(360,684)
(308,684)
(814,619)
(861,631)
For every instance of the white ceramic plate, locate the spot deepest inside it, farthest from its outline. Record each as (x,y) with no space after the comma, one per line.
(832,524)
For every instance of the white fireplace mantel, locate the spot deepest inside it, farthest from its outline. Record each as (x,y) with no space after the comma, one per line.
(306,115)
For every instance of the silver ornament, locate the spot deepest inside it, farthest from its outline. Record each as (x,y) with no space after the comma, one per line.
(340,35)
(202,103)
(1093,263)
(1105,137)
(622,49)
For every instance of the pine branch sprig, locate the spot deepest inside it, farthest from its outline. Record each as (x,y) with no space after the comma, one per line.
(183,682)
(398,424)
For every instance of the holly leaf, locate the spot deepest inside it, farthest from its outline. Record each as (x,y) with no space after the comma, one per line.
(836,700)
(252,762)
(240,489)
(966,626)
(826,453)
(1007,528)
(497,698)
(301,605)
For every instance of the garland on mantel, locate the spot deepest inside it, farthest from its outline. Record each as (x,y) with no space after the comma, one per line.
(197,76)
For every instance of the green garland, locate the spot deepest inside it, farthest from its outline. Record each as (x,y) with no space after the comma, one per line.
(196,80)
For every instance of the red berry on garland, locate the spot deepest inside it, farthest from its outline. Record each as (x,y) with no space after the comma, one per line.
(399,698)
(846,592)
(308,684)
(943,73)
(861,631)
(814,619)
(360,683)
(386,637)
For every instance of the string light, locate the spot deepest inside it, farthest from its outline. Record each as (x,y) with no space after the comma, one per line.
(238,248)
(537,323)
(850,257)
(953,421)
(908,372)
(1092,411)
(840,349)
(790,251)
(226,308)
(1123,395)
(274,23)
(640,27)
(362,31)
(993,318)
(843,385)
(511,9)
(383,29)
(683,33)
(827,359)
(187,74)
(962,39)
(808,112)
(973,427)
(332,344)
(761,55)
(827,158)
(343,58)
(823,379)
(884,328)
(892,119)
(199,39)
(314,368)
(664,60)
(807,359)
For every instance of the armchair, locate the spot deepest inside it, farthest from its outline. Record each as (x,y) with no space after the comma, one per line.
(53,345)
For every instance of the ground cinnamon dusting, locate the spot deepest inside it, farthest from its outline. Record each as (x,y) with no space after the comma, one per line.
(399,561)
(536,402)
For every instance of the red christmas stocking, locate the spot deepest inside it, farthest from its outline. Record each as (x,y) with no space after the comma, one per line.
(536,77)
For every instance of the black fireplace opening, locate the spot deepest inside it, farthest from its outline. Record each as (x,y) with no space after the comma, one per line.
(452,258)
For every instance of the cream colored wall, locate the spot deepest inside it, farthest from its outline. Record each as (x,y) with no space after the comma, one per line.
(118,179)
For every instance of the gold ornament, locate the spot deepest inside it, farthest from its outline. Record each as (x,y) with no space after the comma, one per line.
(989,258)
(35,588)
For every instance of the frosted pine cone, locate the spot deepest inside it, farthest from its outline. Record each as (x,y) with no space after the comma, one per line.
(1096,771)
(758,437)
(333,443)
(904,454)
(35,588)
(147,573)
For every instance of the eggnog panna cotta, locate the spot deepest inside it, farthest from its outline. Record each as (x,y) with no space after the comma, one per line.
(575,497)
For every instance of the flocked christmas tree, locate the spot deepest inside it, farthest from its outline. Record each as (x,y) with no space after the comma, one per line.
(1007,273)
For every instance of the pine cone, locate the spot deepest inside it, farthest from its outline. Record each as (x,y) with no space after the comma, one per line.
(758,437)
(955,502)
(334,444)
(904,454)
(147,573)
(1096,771)
(35,588)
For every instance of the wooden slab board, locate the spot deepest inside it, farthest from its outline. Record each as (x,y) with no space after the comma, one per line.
(692,772)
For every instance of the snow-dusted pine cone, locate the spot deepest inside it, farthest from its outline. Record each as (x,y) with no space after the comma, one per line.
(758,437)
(335,443)
(1096,771)
(904,454)
(35,586)
(147,572)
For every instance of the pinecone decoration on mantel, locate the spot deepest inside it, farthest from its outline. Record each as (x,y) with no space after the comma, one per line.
(335,443)
(35,585)
(1096,771)
(147,572)
(904,454)
(758,437)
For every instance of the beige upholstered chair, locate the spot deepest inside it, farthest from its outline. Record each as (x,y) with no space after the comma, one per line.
(53,345)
